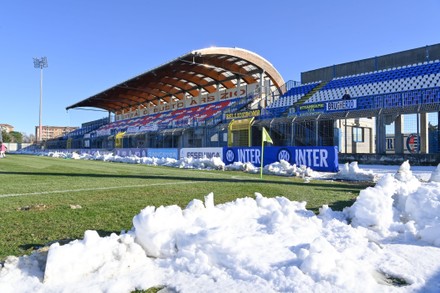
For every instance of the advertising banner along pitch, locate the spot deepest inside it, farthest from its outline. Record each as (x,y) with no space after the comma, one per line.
(319,158)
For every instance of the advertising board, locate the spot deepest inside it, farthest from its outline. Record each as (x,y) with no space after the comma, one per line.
(200,153)
(318,158)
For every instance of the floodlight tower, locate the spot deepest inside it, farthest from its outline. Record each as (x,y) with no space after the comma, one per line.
(40,63)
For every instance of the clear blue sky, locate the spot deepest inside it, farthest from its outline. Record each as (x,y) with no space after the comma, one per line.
(92,45)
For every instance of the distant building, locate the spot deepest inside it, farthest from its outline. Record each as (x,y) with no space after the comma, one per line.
(50,132)
(6,127)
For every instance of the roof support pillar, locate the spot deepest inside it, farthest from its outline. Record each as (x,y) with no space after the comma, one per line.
(424,138)
(380,135)
(261,81)
(398,135)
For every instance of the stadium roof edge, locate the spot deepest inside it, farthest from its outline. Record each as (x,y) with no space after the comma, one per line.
(194,73)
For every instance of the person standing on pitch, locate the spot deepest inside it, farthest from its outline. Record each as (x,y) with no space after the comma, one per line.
(3,149)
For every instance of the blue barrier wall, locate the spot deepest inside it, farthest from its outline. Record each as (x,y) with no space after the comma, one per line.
(140,152)
(323,159)
(163,153)
(148,152)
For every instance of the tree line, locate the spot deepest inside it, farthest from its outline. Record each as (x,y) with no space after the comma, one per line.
(16,137)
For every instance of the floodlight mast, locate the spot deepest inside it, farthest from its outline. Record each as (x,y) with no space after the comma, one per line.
(40,63)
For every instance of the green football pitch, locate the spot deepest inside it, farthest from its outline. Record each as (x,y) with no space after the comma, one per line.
(44,199)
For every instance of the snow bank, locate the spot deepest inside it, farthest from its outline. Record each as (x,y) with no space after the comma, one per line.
(389,235)
(352,172)
(400,204)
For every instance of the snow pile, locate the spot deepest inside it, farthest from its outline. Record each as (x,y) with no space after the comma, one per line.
(185,163)
(348,171)
(283,168)
(59,155)
(203,163)
(400,204)
(245,167)
(352,172)
(98,260)
(388,238)
(435,175)
(374,206)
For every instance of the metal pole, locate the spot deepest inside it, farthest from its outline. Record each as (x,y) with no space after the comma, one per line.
(41,104)
(418,132)
(346,135)
(40,63)
(438,132)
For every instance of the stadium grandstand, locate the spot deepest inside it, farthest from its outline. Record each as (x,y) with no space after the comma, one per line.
(222,97)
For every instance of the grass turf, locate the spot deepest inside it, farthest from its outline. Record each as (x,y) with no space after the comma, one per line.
(44,199)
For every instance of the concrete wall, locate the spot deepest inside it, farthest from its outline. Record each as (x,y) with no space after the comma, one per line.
(408,57)
(365,146)
(347,144)
(12,147)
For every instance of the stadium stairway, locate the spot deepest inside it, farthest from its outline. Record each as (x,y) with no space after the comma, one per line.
(280,105)
(310,94)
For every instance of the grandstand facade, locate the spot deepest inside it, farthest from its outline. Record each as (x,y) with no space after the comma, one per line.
(222,97)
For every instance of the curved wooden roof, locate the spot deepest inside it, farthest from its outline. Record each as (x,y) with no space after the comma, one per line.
(198,72)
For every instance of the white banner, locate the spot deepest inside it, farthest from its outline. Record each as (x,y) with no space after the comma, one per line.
(149,127)
(341,105)
(132,129)
(105,132)
(200,153)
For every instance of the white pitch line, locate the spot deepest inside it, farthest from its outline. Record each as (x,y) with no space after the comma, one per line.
(93,189)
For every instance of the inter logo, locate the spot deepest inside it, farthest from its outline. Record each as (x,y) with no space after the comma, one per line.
(284,154)
(230,156)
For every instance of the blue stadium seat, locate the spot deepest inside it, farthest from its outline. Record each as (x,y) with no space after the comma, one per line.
(400,79)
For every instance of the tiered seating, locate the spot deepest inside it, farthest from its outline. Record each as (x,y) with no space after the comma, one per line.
(273,112)
(400,99)
(406,78)
(77,133)
(80,132)
(197,114)
(175,118)
(293,95)
(278,107)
